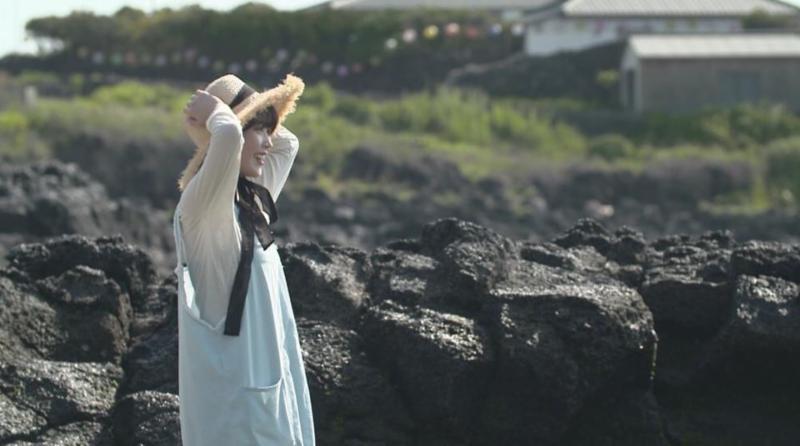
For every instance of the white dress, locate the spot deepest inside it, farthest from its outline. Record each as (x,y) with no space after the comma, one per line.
(241,390)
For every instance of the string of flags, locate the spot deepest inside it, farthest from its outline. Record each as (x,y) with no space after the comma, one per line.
(274,61)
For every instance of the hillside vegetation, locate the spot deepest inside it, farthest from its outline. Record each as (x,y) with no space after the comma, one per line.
(482,135)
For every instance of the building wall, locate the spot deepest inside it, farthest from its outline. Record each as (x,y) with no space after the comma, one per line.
(552,35)
(630,83)
(684,85)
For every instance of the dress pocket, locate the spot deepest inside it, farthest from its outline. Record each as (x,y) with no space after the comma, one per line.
(268,420)
(267,393)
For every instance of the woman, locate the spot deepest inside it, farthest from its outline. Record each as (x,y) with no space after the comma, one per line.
(241,377)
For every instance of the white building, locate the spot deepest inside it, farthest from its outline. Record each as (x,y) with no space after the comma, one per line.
(580,24)
(506,9)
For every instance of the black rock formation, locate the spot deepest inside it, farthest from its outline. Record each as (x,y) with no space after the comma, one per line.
(459,336)
(50,198)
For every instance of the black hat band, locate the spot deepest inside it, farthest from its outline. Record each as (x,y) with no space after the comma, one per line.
(244,92)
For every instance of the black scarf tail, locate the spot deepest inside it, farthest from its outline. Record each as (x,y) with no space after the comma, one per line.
(251,223)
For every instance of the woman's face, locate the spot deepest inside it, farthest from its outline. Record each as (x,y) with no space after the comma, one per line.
(257,141)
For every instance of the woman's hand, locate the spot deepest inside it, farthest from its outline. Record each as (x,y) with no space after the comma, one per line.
(199,107)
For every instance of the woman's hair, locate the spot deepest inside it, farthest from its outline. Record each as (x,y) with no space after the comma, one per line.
(266,118)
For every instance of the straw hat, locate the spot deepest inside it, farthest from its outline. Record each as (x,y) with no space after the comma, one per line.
(245,102)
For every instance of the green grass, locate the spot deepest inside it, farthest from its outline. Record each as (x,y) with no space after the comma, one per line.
(482,135)
(54,118)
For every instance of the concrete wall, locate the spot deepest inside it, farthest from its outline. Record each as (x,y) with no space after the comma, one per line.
(683,85)
(630,82)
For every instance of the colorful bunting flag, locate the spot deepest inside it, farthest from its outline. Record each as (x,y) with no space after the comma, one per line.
(409,35)
(452,29)
(430,32)
(283,59)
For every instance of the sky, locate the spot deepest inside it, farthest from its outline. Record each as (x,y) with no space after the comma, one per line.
(15,13)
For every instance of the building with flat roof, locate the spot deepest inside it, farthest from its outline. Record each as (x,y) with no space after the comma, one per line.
(506,9)
(674,73)
(580,24)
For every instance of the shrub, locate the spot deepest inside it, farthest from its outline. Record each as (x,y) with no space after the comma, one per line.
(469,116)
(13,126)
(611,147)
(359,111)
(734,128)
(13,133)
(408,114)
(137,94)
(607,78)
(320,95)
(782,161)
(17,141)
(324,137)
(62,119)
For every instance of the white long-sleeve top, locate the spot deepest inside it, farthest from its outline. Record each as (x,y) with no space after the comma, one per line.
(211,235)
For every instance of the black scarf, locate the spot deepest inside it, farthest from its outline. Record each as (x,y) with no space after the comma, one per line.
(251,222)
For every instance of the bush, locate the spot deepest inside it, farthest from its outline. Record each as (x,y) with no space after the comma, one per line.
(357,110)
(324,137)
(321,95)
(536,133)
(509,124)
(607,79)
(469,116)
(14,127)
(782,161)
(405,115)
(60,120)
(137,94)
(460,115)
(611,147)
(17,141)
(734,128)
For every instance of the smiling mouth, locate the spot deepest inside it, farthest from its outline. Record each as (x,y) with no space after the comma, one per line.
(260,158)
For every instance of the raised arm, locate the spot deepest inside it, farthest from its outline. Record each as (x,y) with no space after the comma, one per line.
(209,195)
(280,158)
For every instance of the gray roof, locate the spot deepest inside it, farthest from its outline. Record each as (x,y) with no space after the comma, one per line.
(444,4)
(680,8)
(684,46)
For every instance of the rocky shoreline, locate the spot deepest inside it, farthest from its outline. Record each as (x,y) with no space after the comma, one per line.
(460,335)
(50,198)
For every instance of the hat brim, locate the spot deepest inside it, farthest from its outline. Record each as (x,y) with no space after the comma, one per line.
(283,97)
